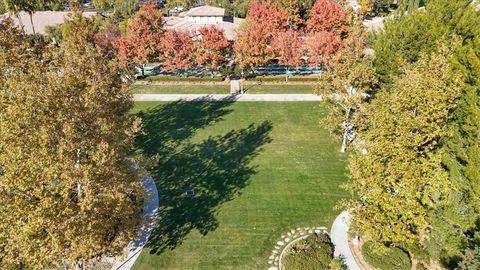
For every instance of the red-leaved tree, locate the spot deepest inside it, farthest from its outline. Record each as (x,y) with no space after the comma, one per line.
(269,14)
(252,46)
(327,15)
(177,51)
(106,39)
(288,48)
(211,48)
(144,33)
(321,46)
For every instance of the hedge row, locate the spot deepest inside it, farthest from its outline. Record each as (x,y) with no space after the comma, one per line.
(219,79)
(394,259)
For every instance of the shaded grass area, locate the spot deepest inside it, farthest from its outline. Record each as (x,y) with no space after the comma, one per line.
(221,89)
(257,170)
(394,259)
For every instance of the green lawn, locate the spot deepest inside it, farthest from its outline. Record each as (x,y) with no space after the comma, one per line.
(257,169)
(221,89)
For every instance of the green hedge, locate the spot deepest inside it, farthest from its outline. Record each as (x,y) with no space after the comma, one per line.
(182,79)
(282,79)
(312,253)
(394,259)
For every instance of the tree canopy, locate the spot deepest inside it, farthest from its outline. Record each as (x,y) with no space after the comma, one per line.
(442,222)
(68,190)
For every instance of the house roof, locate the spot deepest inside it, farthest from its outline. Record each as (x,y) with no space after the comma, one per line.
(204,11)
(41,19)
(183,24)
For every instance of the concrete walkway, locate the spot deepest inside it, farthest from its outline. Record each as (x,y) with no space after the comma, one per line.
(150,207)
(339,235)
(226,97)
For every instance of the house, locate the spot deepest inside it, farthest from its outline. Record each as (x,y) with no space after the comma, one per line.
(204,15)
(201,16)
(40,20)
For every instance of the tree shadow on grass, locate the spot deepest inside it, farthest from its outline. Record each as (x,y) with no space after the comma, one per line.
(167,126)
(216,169)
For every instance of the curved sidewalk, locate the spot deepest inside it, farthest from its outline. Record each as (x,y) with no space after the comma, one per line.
(150,207)
(226,97)
(339,236)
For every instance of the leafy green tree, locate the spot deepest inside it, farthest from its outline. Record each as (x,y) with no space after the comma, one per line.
(292,9)
(238,8)
(345,88)
(186,4)
(406,38)
(68,191)
(221,3)
(396,171)
(122,9)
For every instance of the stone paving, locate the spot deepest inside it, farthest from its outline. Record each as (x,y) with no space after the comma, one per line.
(274,261)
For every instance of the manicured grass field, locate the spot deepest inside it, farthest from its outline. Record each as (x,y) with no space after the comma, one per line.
(257,171)
(221,89)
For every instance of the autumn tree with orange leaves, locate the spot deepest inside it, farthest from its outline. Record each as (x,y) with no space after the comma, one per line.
(288,47)
(144,33)
(327,30)
(268,13)
(253,44)
(177,51)
(321,46)
(211,48)
(327,15)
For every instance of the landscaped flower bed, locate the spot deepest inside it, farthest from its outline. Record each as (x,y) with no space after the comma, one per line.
(313,252)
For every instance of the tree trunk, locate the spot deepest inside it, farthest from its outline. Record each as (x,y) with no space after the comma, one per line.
(20,23)
(31,22)
(344,139)
(79,265)
(286,74)
(143,70)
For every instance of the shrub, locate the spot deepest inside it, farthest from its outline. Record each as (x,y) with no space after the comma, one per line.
(282,78)
(314,252)
(182,79)
(393,259)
